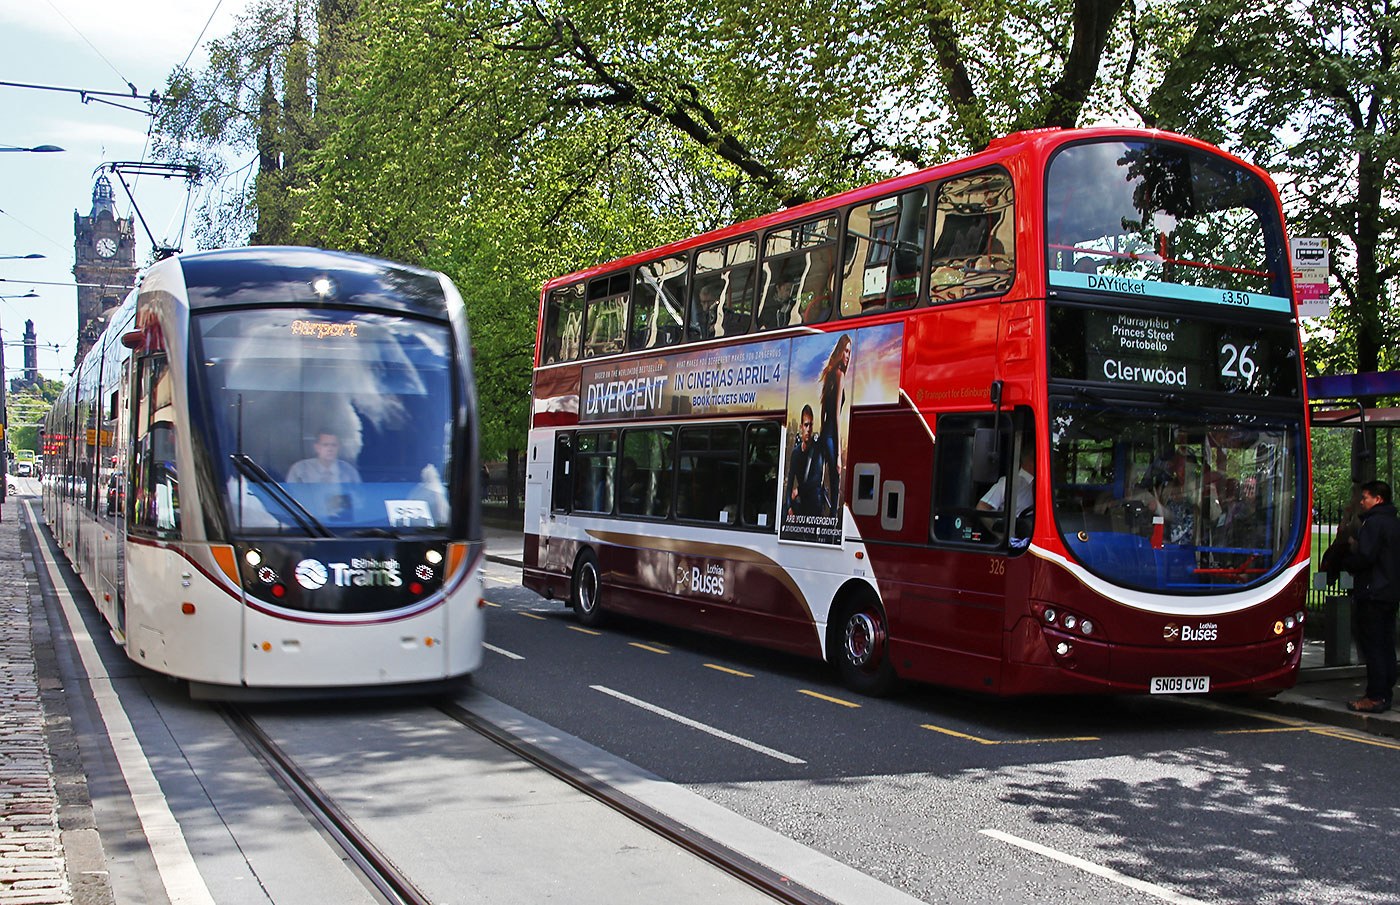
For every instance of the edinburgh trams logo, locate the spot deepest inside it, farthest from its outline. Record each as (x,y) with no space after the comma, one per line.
(358,573)
(311,574)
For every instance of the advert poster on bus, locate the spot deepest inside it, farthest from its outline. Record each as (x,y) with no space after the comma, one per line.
(730,380)
(819,415)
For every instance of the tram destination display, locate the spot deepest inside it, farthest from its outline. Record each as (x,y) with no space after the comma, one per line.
(1165,352)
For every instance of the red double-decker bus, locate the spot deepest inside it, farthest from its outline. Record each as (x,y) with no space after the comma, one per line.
(1028,422)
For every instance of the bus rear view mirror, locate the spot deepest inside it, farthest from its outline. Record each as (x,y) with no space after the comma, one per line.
(986,455)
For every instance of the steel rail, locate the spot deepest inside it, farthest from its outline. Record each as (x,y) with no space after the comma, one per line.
(734,863)
(381,873)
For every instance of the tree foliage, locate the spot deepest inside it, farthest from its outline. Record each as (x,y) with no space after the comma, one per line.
(1309,91)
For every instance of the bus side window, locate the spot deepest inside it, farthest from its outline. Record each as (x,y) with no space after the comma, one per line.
(708,474)
(595,461)
(721,301)
(563,324)
(798,264)
(761,475)
(607,315)
(646,473)
(658,304)
(563,471)
(884,257)
(974,243)
(970,504)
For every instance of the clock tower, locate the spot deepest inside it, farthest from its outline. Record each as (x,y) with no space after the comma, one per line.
(104,263)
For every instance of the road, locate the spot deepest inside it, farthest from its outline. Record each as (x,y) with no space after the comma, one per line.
(945,795)
(942,796)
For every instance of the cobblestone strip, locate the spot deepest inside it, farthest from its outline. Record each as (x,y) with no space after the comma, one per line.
(32,870)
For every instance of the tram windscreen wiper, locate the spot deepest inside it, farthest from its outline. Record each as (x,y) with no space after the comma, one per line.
(308,522)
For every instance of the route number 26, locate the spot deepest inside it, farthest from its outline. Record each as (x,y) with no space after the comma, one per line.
(1237,362)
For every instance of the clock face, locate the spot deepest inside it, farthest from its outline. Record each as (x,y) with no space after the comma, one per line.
(106,246)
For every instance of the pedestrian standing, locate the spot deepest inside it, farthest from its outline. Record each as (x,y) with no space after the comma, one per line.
(1374,561)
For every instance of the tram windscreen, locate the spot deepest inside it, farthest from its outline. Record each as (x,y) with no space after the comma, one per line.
(1175,502)
(329,420)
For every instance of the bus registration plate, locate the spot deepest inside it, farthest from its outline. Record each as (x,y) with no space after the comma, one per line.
(1180,684)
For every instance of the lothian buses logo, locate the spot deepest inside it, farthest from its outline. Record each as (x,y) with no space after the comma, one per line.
(706,579)
(1206,631)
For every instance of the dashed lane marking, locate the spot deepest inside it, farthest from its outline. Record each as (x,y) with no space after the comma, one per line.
(695,724)
(655,650)
(823,697)
(535,616)
(732,672)
(1108,873)
(1010,741)
(586,631)
(502,651)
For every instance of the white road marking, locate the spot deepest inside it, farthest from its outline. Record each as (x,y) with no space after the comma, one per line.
(687,721)
(178,871)
(502,651)
(1152,889)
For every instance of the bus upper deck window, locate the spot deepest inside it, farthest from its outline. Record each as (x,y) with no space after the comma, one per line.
(974,237)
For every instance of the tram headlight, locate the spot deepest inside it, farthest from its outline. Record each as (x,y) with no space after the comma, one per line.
(1289,622)
(324,287)
(1070,621)
(433,557)
(1086,626)
(253,557)
(1050,615)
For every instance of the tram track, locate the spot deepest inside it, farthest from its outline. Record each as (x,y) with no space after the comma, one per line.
(380,872)
(397,888)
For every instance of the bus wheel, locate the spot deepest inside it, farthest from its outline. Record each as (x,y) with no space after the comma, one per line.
(862,648)
(585,588)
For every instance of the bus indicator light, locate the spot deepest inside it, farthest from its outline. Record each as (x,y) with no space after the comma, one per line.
(187,609)
(1278,628)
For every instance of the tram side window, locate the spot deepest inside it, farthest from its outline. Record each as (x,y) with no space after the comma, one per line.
(595,464)
(798,264)
(658,304)
(974,237)
(721,301)
(563,324)
(761,475)
(970,500)
(708,474)
(645,475)
(154,480)
(884,258)
(607,315)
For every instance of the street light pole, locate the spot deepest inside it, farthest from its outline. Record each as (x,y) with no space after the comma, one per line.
(28,257)
(38,149)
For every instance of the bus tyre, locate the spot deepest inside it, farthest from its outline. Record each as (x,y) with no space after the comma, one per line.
(585,588)
(862,648)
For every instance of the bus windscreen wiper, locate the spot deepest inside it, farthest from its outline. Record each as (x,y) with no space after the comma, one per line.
(308,522)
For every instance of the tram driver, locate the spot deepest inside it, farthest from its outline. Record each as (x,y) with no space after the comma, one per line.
(327,468)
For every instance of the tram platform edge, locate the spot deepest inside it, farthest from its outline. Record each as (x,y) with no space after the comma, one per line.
(1320,694)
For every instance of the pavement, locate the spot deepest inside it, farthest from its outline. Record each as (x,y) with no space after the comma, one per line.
(50,853)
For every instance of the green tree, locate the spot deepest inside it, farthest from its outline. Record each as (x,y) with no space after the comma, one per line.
(1309,91)
(26,409)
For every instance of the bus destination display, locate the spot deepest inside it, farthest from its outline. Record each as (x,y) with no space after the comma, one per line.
(1163,352)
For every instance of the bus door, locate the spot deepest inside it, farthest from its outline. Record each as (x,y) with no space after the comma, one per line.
(983,514)
(554,519)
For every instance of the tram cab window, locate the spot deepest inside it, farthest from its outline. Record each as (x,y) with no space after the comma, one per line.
(974,237)
(319,417)
(978,457)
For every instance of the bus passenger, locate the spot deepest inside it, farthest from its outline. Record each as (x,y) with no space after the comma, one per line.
(705,313)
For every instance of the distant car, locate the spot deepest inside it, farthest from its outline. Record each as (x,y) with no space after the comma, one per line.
(23,469)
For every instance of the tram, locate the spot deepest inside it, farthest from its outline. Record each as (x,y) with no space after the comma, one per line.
(265,473)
